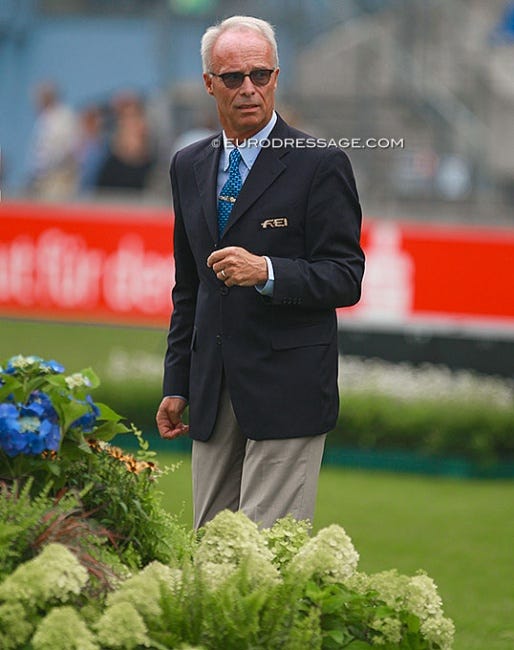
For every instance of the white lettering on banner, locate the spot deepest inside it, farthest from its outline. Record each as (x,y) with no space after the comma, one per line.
(136,279)
(59,269)
(388,285)
(68,272)
(17,271)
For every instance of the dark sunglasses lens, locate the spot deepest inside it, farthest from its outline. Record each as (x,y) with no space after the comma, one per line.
(260,77)
(232,79)
(235,79)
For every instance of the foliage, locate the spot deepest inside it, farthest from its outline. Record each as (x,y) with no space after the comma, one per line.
(231,586)
(164,607)
(29,523)
(121,493)
(54,437)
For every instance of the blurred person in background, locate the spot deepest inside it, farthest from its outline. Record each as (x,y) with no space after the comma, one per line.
(52,167)
(130,156)
(266,245)
(91,148)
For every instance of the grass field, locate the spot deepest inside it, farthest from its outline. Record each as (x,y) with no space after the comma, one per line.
(460,532)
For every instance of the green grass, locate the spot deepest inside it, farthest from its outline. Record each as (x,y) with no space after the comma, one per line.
(460,532)
(77,346)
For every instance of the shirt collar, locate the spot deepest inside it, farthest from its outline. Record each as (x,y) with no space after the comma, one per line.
(251,148)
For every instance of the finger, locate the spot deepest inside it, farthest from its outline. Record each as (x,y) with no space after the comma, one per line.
(218,267)
(175,433)
(217,256)
(171,429)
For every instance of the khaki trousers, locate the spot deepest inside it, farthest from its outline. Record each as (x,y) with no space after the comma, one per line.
(266,479)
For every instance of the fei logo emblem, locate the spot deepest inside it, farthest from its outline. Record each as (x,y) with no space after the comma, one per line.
(280,222)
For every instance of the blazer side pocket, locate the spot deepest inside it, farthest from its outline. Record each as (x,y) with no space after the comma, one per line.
(300,337)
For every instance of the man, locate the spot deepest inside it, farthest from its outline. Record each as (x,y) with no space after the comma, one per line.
(266,247)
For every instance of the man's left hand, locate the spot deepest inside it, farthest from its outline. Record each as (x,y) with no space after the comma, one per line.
(236,266)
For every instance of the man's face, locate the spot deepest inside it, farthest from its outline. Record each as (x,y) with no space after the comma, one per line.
(245,110)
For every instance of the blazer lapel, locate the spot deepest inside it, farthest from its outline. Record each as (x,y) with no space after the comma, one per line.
(266,168)
(206,174)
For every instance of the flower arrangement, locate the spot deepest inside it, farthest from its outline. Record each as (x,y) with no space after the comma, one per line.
(47,417)
(166,607)
(54,438)
(89,560)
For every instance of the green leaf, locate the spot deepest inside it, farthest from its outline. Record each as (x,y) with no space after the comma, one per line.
(335,635)
(92,376)
(71,411)
(107,413)
(107,430)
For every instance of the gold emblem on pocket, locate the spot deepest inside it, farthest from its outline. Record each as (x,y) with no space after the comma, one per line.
(280,222)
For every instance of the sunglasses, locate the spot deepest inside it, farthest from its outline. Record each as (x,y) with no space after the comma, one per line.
(235,79)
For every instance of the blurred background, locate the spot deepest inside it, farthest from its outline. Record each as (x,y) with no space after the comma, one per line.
(436,75)
(96,95)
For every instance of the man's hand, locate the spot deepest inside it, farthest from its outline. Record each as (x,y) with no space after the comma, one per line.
(236,266)
(169,418)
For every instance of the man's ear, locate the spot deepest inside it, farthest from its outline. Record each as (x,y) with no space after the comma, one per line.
(207,80)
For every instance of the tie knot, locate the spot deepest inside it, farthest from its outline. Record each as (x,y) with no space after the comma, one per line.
(234,159)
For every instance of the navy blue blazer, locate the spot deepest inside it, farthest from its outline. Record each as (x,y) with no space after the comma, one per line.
(299,205)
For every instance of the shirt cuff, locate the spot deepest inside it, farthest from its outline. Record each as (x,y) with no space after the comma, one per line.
(180,396)
(266,289)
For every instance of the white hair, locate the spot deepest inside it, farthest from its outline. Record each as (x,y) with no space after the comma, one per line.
(236,23)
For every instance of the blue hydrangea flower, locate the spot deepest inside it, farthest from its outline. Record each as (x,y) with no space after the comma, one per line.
(19,363)
(29,428)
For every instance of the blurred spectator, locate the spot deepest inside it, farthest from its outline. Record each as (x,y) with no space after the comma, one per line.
(52,168)
(91,148)
(503,32)
(131,153)
(204,130)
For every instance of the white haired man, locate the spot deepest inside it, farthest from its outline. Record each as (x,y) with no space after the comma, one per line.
(266,246)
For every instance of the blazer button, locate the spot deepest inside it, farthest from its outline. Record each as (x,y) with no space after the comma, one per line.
(224,290)
(218,339)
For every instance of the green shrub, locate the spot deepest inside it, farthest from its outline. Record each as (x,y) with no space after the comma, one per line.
(475,431)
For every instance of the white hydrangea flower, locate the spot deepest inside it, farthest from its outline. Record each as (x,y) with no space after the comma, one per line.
(121,627)
(330,555)
(54,575)
(154,578)
(77,380)
(422,597)
(440,631)
(417,594)
(63,629)
(390,631)
(15,626)
(21,362)
(232,540)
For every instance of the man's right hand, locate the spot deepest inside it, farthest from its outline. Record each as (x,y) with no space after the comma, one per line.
(169,418)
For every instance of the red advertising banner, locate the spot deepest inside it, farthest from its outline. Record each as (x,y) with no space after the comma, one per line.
(86,263)
(452,277)
(112,264)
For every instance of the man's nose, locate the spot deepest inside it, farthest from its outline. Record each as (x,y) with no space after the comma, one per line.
(247,87)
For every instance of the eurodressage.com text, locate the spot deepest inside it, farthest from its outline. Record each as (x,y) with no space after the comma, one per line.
(313,143)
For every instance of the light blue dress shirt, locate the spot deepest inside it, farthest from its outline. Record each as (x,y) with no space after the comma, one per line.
(249,152)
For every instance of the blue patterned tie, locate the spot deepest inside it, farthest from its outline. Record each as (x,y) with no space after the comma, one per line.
(229,191)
